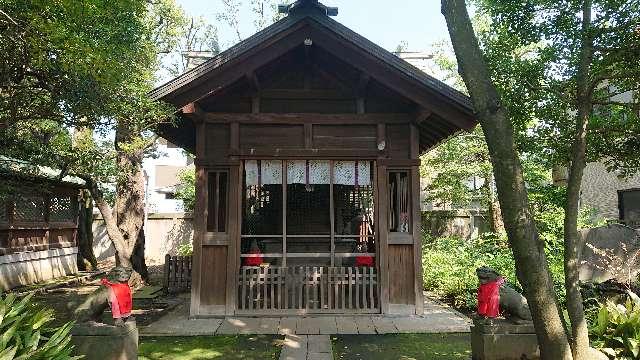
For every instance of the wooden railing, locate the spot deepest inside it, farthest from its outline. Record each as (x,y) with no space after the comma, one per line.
(177,273)
(307,289)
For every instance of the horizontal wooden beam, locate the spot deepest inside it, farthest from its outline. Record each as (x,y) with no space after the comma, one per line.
(292,153)
(303,118)
(193,109)
(307,94)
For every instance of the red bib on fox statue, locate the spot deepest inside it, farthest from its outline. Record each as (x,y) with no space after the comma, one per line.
(489,298)
(119,298)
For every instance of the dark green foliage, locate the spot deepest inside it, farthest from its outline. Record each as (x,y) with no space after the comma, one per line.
(187,189)
(615,330)
(449,266)
(533,49)
(26,333)
(453,276)
(449,263)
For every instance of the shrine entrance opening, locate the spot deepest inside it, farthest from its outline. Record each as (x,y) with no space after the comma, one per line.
(308,241)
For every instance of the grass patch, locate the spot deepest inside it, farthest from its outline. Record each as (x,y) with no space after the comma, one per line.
(246,347)
(402,347)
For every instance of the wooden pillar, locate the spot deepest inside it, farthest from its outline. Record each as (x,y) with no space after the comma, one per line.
(383,232)
(417,218)
(233,243)
(200,213)
(417,238)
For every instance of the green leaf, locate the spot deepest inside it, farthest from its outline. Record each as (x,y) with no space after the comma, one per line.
(8,354)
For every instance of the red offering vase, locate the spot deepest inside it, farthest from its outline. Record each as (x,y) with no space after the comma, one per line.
(364,261)
(255,259)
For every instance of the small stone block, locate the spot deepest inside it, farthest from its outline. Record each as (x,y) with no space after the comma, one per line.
(490,342)
(105,342)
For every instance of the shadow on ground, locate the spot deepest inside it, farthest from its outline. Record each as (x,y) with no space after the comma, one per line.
(402,347)
(245,347)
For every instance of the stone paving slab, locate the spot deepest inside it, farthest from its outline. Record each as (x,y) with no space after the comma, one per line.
(384,325)
(319,344)
(365,325)
(306,347)
(294,347)
(288,325)
(346,325)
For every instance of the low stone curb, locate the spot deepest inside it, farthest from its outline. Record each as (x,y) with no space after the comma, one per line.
(79,280)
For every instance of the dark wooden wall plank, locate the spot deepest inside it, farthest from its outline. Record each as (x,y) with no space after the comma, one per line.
(213,275)
(401,270)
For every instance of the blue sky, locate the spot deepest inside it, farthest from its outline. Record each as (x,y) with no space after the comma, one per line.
(387,23)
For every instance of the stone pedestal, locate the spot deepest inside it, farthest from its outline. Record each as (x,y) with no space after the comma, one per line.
(106,342)
(500,339)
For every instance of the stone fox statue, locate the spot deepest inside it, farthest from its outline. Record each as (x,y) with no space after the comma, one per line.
(114,292)
(513,305)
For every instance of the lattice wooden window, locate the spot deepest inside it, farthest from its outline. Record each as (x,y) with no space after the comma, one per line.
(4,216)
(218,207)
(29,208)
(399,201)
(63,209)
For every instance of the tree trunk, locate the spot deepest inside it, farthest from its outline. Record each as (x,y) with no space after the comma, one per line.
(496,225)
(130,196)
(86,258)
(532,269)
(137,258)
(573,243)
(110,222)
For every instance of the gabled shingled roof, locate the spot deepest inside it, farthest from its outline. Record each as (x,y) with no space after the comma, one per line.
(456,110)
(348,34)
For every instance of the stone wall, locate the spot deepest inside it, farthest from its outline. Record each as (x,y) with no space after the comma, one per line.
(164,233)
(27,268)
(600,190)
(461,223)
(610,252)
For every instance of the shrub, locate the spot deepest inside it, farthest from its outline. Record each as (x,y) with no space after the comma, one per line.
(616,328)
(186,190)
(449,266)
(25,334)
(185,249)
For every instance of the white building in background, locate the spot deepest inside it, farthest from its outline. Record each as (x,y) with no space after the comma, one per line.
(162,177)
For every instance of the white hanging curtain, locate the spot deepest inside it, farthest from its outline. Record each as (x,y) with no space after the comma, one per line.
(308,172)
(346,173)
(269,172)
(313,172)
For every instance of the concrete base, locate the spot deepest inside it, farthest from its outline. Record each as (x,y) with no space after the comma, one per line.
(106,342)
(500,339)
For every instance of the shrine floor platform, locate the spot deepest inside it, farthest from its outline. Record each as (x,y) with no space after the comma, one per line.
(437,318)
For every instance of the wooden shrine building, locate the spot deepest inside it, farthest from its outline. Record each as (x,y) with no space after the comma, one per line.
(307,139)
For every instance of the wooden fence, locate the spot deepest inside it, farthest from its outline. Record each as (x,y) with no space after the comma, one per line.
(307,289)
(177,273)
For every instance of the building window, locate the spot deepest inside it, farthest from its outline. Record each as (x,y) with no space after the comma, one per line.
(399,202)
(217,216)
(629,206)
